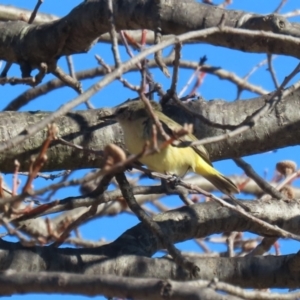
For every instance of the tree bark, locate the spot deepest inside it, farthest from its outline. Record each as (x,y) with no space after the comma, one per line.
(129,255)
(79,30)
(278,128)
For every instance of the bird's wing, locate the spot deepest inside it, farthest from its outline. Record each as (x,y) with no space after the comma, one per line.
(170,126)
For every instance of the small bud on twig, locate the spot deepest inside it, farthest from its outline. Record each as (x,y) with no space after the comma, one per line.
(286,167)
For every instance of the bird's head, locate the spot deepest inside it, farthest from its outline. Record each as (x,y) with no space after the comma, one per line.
(132,110)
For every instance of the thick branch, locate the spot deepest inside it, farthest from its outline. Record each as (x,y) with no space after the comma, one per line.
(91,285)
(277,129)
(119,257)
(79,30)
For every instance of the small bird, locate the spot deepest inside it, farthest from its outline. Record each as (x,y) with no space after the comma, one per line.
(137,126)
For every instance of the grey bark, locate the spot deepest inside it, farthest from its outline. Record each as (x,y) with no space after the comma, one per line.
(130,254)
(30,45)
(65,283)
(278,128)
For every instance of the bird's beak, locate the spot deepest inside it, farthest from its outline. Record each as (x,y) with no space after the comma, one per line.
(110,117)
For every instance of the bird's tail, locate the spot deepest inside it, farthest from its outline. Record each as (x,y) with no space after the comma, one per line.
(222,183)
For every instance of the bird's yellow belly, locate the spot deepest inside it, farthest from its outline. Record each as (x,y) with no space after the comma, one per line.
(170,160)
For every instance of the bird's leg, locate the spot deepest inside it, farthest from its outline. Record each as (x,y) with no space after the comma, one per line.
(129,168)
(168,186)
(150,176)
(173,181)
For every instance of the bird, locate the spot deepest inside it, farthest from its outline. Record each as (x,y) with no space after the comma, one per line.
(137,126)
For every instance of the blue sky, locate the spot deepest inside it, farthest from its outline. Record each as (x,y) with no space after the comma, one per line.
(234,61)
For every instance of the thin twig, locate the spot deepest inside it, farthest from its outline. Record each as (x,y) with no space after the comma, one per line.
(15,232)
(199,81)
(154,227)
(139,66)
(71,66)
(177,49)
(109,69)
(267,242)
(154,117)
(294,13)
(199,66)
(73,225)
(54,84)
(118,167)
(288,179)
(279,7)
(263,246)
(230,243)
(67,79)
(72,73)
(39,161)
(271,228)
(196,189)
(255,68)
(47,176)
(85,243)
(113,34)
(158,55)
(263,184)
(250,121)
(272,71)
(34,128)
(34,13)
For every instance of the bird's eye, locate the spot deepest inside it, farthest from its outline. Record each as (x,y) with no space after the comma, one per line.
(121,110)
